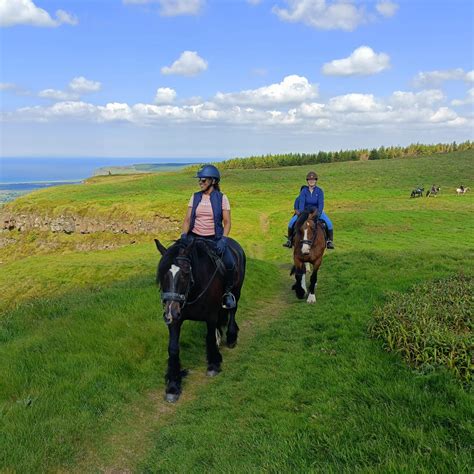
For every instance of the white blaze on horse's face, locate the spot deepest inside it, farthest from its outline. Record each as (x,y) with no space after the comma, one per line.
(174,270)
(305,248)
(171,307)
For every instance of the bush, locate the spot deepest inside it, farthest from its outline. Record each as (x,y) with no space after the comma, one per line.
(431,326)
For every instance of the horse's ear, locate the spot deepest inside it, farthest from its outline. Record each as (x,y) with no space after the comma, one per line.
(313,214)
(161,248)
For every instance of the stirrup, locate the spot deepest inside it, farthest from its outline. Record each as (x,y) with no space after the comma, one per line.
(288,244)
(234,303)
(330,245)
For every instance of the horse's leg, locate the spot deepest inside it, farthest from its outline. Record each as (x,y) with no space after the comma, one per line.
(312,286)
(214,357)
(300,290)
(232,329)
(173,375)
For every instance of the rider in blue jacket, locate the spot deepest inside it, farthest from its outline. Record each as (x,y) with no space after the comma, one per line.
(310,197)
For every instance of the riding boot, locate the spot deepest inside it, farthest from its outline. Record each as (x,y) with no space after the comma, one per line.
(289,240)
(228,299)
(329,243)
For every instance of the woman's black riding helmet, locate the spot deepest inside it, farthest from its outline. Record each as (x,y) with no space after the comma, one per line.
(209,171)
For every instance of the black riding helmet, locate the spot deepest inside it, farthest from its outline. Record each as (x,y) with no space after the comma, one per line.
(209,171)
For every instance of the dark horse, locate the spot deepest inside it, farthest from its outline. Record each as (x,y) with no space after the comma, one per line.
(418,192)
(310,243)
(192,284)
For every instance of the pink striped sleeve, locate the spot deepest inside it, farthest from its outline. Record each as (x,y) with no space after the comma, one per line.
(225,203)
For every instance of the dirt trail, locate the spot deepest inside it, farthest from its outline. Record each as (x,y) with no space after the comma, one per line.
(132,436)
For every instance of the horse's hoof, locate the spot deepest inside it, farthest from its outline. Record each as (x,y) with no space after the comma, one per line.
(231,345)
(171,397)
(212,373)
(184,373)
(311,299)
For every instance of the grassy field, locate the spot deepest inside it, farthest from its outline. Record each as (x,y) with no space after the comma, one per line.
(83,345)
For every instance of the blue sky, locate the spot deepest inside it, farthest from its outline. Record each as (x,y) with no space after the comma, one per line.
(204,78)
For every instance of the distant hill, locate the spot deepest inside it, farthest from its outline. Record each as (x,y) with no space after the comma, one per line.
(139,168)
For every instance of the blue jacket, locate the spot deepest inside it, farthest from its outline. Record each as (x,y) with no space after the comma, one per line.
(307,200)
(216,203)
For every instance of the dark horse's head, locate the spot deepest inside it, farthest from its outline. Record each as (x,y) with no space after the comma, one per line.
(175,278)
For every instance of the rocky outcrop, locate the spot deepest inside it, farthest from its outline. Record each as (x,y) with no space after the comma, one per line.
(85,225)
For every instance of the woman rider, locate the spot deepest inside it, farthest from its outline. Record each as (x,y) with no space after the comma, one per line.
(310,197)
(208,217)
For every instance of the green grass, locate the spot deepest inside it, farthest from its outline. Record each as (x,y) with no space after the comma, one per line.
(306,390)
(431,326)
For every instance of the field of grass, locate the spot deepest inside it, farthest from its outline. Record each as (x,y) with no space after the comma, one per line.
(83,345)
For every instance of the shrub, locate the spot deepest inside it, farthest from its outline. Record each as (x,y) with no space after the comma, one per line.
(431,326)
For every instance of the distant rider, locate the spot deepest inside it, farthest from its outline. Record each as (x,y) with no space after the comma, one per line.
(208,217)
(310,197)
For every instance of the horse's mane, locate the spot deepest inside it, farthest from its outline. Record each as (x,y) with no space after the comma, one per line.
(198,249)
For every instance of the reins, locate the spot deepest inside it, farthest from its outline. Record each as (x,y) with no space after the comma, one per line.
(182,297)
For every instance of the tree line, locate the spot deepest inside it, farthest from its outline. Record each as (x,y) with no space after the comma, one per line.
(382,153)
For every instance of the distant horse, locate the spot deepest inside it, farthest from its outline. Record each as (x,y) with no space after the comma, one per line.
(433,191)
(191,278)
(309,246)
(418,192)
(462,190)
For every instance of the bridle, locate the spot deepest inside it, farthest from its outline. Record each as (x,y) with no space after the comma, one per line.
(310,242)
(181,298)
(175,296)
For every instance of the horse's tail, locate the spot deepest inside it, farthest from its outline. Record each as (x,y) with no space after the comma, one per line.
(293,270)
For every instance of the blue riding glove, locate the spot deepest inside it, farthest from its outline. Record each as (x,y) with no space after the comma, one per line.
(221,245)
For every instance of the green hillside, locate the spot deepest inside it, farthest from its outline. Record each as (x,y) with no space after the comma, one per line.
(83,344)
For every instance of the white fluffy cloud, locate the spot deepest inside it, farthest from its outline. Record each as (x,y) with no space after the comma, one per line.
(354,103)
(362,61)
(25,12)
(332,15)
(165,95)
(436,78)
(387,8)
(174,7)
(426,98)
(58,95)
(82,85)
(287,104)
(469,100)
(77,87)
(188,64)
(293,89)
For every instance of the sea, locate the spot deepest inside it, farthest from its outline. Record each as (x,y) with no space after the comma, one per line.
(19,176)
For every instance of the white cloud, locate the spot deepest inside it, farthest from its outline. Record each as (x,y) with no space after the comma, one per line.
(165,95)
(82,85)
(353,103)
(318,14)
(443,114)
(387,8)
(469,100)
(436,78)
(77,87)
(293,89)
(25,12)
(173,7)
(424,98)
(362,61)
(58,95)
(4,86)
(188,64)
(260,109)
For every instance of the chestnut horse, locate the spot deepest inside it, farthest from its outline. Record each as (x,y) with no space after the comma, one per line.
(309,246)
